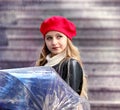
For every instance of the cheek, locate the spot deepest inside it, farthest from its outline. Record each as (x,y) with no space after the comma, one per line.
(48,47)
(47,44)
(64,44)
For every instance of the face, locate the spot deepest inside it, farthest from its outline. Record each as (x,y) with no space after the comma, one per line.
(56,42)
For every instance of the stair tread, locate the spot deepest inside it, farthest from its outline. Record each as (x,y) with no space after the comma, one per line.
(19,14)
(73,17)
(115,73)
(89,12)
(65,0)
(105,103)
(103,88)
(61,6)
(15,48)
(90,37)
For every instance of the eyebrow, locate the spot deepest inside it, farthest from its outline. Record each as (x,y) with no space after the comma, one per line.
(48,36)
(55,35)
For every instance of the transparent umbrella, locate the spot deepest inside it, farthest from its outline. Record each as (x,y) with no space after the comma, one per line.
(37,88)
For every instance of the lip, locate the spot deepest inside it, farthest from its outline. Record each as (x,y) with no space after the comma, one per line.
(54,48)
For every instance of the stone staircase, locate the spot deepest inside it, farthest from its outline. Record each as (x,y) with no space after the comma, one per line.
(98,38)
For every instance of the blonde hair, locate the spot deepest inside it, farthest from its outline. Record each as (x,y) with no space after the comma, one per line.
(71,52)
(42,57)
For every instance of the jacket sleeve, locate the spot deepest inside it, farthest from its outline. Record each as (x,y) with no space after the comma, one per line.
(75,75)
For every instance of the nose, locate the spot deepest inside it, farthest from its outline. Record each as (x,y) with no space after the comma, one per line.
(54,41)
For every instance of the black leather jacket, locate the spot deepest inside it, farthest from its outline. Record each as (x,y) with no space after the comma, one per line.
(71,71)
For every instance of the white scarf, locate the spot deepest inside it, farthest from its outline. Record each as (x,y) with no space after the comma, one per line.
(51,61)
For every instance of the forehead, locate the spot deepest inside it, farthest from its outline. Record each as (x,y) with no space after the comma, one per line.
(54,33)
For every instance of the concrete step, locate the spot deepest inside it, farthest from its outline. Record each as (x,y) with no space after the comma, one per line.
(76,0)
(97,42)
(15,57)
(104,74)
(105,105)
(75,8)
(103,68)
(103,93)
(82,12)
(25,40)
(18,53)
(106,78)
(101,55)
(105,84)
(111,1)
(16,64)
(80,22)
(66,5)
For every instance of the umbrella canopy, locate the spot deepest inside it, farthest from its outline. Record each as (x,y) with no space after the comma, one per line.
(37,88)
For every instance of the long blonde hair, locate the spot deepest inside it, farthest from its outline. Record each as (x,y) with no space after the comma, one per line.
(73,52)
(42,57)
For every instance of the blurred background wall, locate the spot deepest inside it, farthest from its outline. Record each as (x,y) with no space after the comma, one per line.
(98,39)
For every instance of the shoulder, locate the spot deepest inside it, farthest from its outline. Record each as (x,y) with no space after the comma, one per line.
(73,61)
(74,64)
(70,62)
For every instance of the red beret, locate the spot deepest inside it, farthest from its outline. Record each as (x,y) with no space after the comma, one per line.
(58,23)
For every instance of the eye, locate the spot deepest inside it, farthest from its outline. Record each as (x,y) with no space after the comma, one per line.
(59,36)
(48,38)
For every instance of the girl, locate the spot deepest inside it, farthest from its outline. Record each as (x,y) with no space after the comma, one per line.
(59,52)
